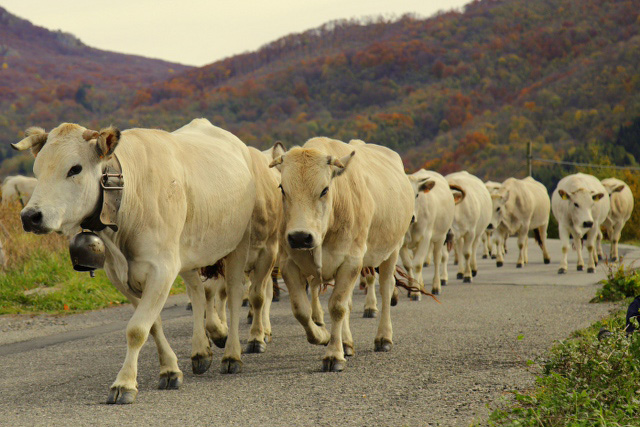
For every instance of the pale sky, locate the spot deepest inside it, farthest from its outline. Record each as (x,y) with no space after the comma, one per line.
(199,32)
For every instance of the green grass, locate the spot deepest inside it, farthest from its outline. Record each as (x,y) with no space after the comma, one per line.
(621,282)
(583,382)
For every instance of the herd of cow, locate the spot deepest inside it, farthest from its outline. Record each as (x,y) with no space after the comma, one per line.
(199,203)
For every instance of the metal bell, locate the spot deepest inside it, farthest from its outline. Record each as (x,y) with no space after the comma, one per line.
(87,251)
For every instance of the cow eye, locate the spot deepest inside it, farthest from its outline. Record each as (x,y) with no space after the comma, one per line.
(324,192)
(75,170)
(281,189)
(497,209)
(576,205)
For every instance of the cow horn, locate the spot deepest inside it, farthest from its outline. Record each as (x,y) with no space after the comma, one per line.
(89,134)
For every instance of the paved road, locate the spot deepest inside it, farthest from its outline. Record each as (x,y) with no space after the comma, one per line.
(448,362)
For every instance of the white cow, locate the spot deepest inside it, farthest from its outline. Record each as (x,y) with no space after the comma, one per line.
(346,206)
(621,200)
(471,218)
(434,210)
(174,218)
(18,188)
(488,246)
(265,225)
(519,206)
(580,203)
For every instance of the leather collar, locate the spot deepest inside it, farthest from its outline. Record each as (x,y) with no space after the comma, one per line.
(111,186)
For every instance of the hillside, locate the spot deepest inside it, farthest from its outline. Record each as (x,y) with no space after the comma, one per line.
(50,76)
(458,90)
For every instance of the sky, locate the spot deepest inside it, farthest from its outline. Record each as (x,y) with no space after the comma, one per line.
(199,32)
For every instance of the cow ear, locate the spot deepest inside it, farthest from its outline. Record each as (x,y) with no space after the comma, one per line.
(618,189)
(458,193)
(277,162)
(35,139)
(496,197)
(277,150)
(107,142)
(426,185)
(563,194)
(597,197)
(341,164)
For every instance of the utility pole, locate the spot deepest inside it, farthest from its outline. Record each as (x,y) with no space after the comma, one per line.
(529,157)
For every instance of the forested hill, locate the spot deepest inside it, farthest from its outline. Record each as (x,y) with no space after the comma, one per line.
(459,90)
(50,76)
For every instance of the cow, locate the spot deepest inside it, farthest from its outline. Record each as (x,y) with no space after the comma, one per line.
(488,246)
(580,203)
(265,225)
(18,188)
(519,206)
(621,200)
(472,215)
(346,206)
(434,210)
(174,218)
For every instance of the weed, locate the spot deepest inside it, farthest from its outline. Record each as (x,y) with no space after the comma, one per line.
(621,282)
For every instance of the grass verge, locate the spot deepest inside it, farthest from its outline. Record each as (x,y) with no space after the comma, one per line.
(38,276)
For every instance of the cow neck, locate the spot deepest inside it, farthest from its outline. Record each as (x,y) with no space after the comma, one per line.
(111,186)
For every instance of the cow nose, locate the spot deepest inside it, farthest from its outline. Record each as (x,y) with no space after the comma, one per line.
(490,227)
(31,219)
(587,224)
(300,240)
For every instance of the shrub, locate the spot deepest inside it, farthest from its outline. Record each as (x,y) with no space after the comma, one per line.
(621,282)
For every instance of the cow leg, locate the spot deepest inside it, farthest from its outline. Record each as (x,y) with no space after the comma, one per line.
(201,354)
(457,253)
(543,245)
(591,248)
(317,314)
(266,312)
(260,279)
(347,339)
(345,280)
(216,318)
(406,256)
(577,242)
(370,301)
(235,277)
(565,238)
(468,249)
(384,336)
(157,278)
(615,238)
(437,258)
(485,245)
(444,263)
(300,306)
(418,258)
(522,245)
(474,255)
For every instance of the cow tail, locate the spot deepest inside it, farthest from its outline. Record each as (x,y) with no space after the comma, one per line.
(536,235)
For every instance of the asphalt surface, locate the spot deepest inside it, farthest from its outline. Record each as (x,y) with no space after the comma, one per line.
(448,362)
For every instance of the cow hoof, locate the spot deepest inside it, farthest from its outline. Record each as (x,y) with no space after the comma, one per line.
(459,276)
(348,350)
(172,380)
(613,259)
(562,271)
(383,345)
(245,303)
(518,265)
(230,366)
(580,268)
(599,257)
(426,264)
(370,313)
(485,256)
(394,300)
(220,342)
(591,270)
(331,364)
(199,364)
(435,292)
(455,262)
(320,324)
(443,282)
(493,257)
(547,261)
(499,263)
(121,396)
(189,307)
(466,280)
(255,347)
(414,297)
(474,273)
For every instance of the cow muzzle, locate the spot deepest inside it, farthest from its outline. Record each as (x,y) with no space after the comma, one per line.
(32,221)
(300,240)
(587,224)
(490,227)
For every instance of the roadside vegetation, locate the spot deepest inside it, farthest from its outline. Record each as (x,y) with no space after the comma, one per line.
(586,381)
(38,276)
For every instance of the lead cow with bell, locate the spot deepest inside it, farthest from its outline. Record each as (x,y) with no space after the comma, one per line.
(174,218)
(346,206)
